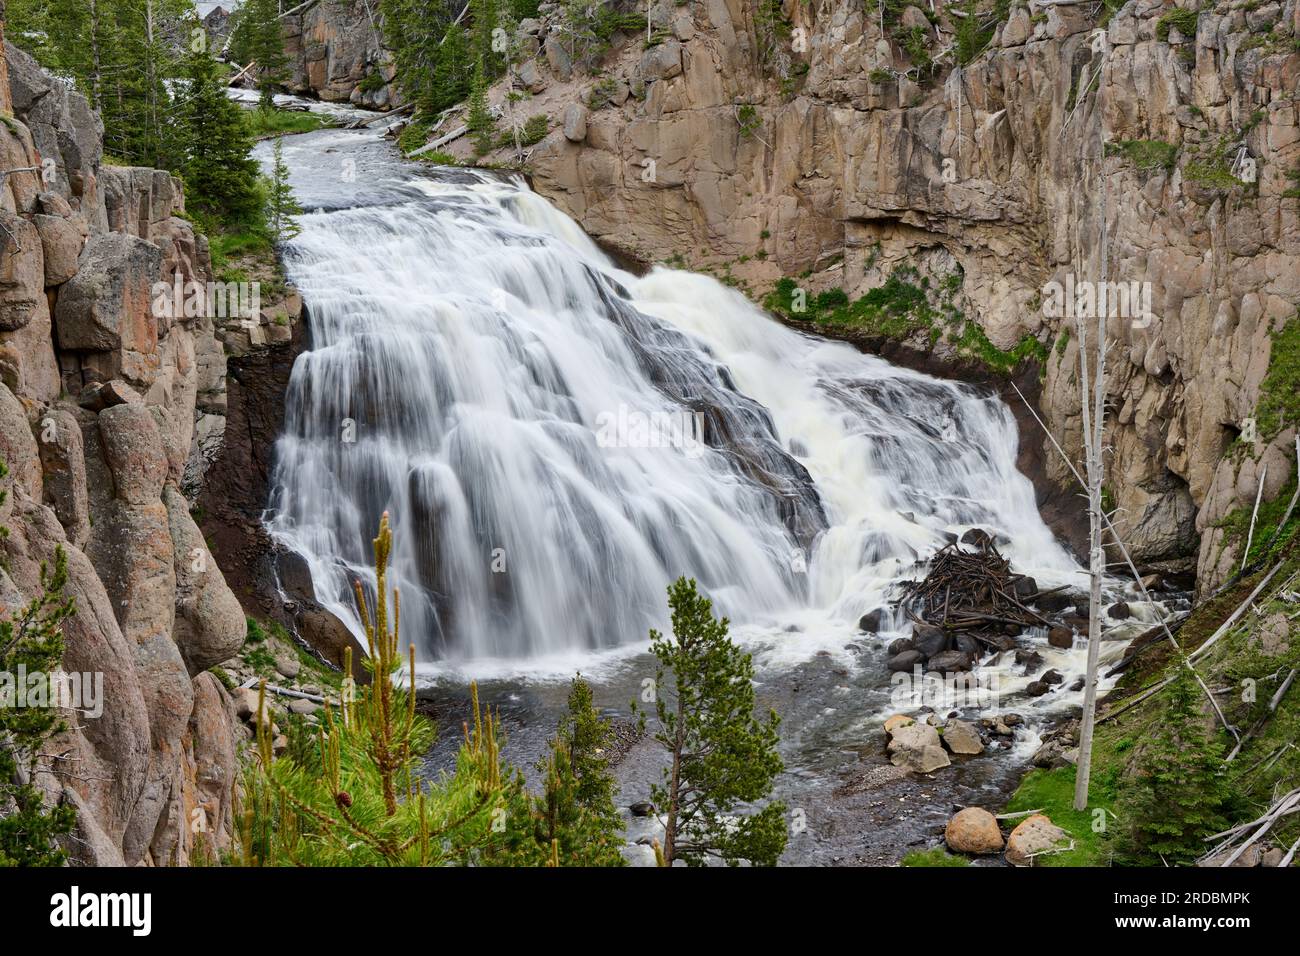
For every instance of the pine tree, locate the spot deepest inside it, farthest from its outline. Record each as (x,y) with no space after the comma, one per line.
(257,36)
(120,54)
(485,19)
(359,801)
(452,74)
(221,180)
(478,116)
(575,813)
(31,638)
(280,204)
(721,755)
(1176,794)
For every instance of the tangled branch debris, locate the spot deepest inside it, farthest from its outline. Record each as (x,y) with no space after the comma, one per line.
(971,590)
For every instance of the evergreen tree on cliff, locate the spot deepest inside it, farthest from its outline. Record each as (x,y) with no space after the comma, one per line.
(221,180)
(120,53)
(721,755)
(478,116)
(451,72)
(257,36)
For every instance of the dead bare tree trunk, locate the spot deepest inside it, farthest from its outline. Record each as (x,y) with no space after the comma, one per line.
(1094,421)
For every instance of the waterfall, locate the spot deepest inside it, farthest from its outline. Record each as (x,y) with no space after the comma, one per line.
(556,439)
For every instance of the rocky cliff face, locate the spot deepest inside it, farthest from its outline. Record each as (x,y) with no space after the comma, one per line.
(334,46)
(843,161)
(97,426)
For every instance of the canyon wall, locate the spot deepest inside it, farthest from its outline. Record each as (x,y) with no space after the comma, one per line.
(333,47)
(98,397)
(832,158)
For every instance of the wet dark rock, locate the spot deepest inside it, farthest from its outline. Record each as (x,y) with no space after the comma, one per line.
(1052,677)
(929,640)
(1026,587)
(977,537)
(901,663)
(1037,689)
(1053,601)
(1012,720)
(870,621)
(1061,637)
(946,662)
(1119,611)
(643,809)
(899,645)
(967,645)
(1077,685)
(1031,661)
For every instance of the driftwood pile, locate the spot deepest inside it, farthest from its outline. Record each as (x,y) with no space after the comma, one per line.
(972,590)
(971,603)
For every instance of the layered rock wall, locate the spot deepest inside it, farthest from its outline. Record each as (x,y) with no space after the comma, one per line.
(98,391)
(333,47)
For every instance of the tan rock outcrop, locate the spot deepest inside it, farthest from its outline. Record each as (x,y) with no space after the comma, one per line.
(151,774)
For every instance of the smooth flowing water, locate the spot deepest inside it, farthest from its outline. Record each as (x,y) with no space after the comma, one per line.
(556,440)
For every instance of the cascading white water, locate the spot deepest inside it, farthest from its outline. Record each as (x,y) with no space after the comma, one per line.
(556,439)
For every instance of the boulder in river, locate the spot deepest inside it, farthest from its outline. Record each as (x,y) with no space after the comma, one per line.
(1031,661)
(946,662)
(870,622)
(899,645)
(898,720)
(1026,587)
(904,662)
(917,747)
(1119,611)
(977,537)
(962,738)
(928,639)
(1050,602)
(973,830)
(1061,637)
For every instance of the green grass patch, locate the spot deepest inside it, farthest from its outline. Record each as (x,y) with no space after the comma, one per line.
(1052,792)
(905,305)
(1214,174)
(1145,154)
(263,123)
(229,246)
(931,858)
(975,343)
(1184,20)
(1279,401)
(414,135)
